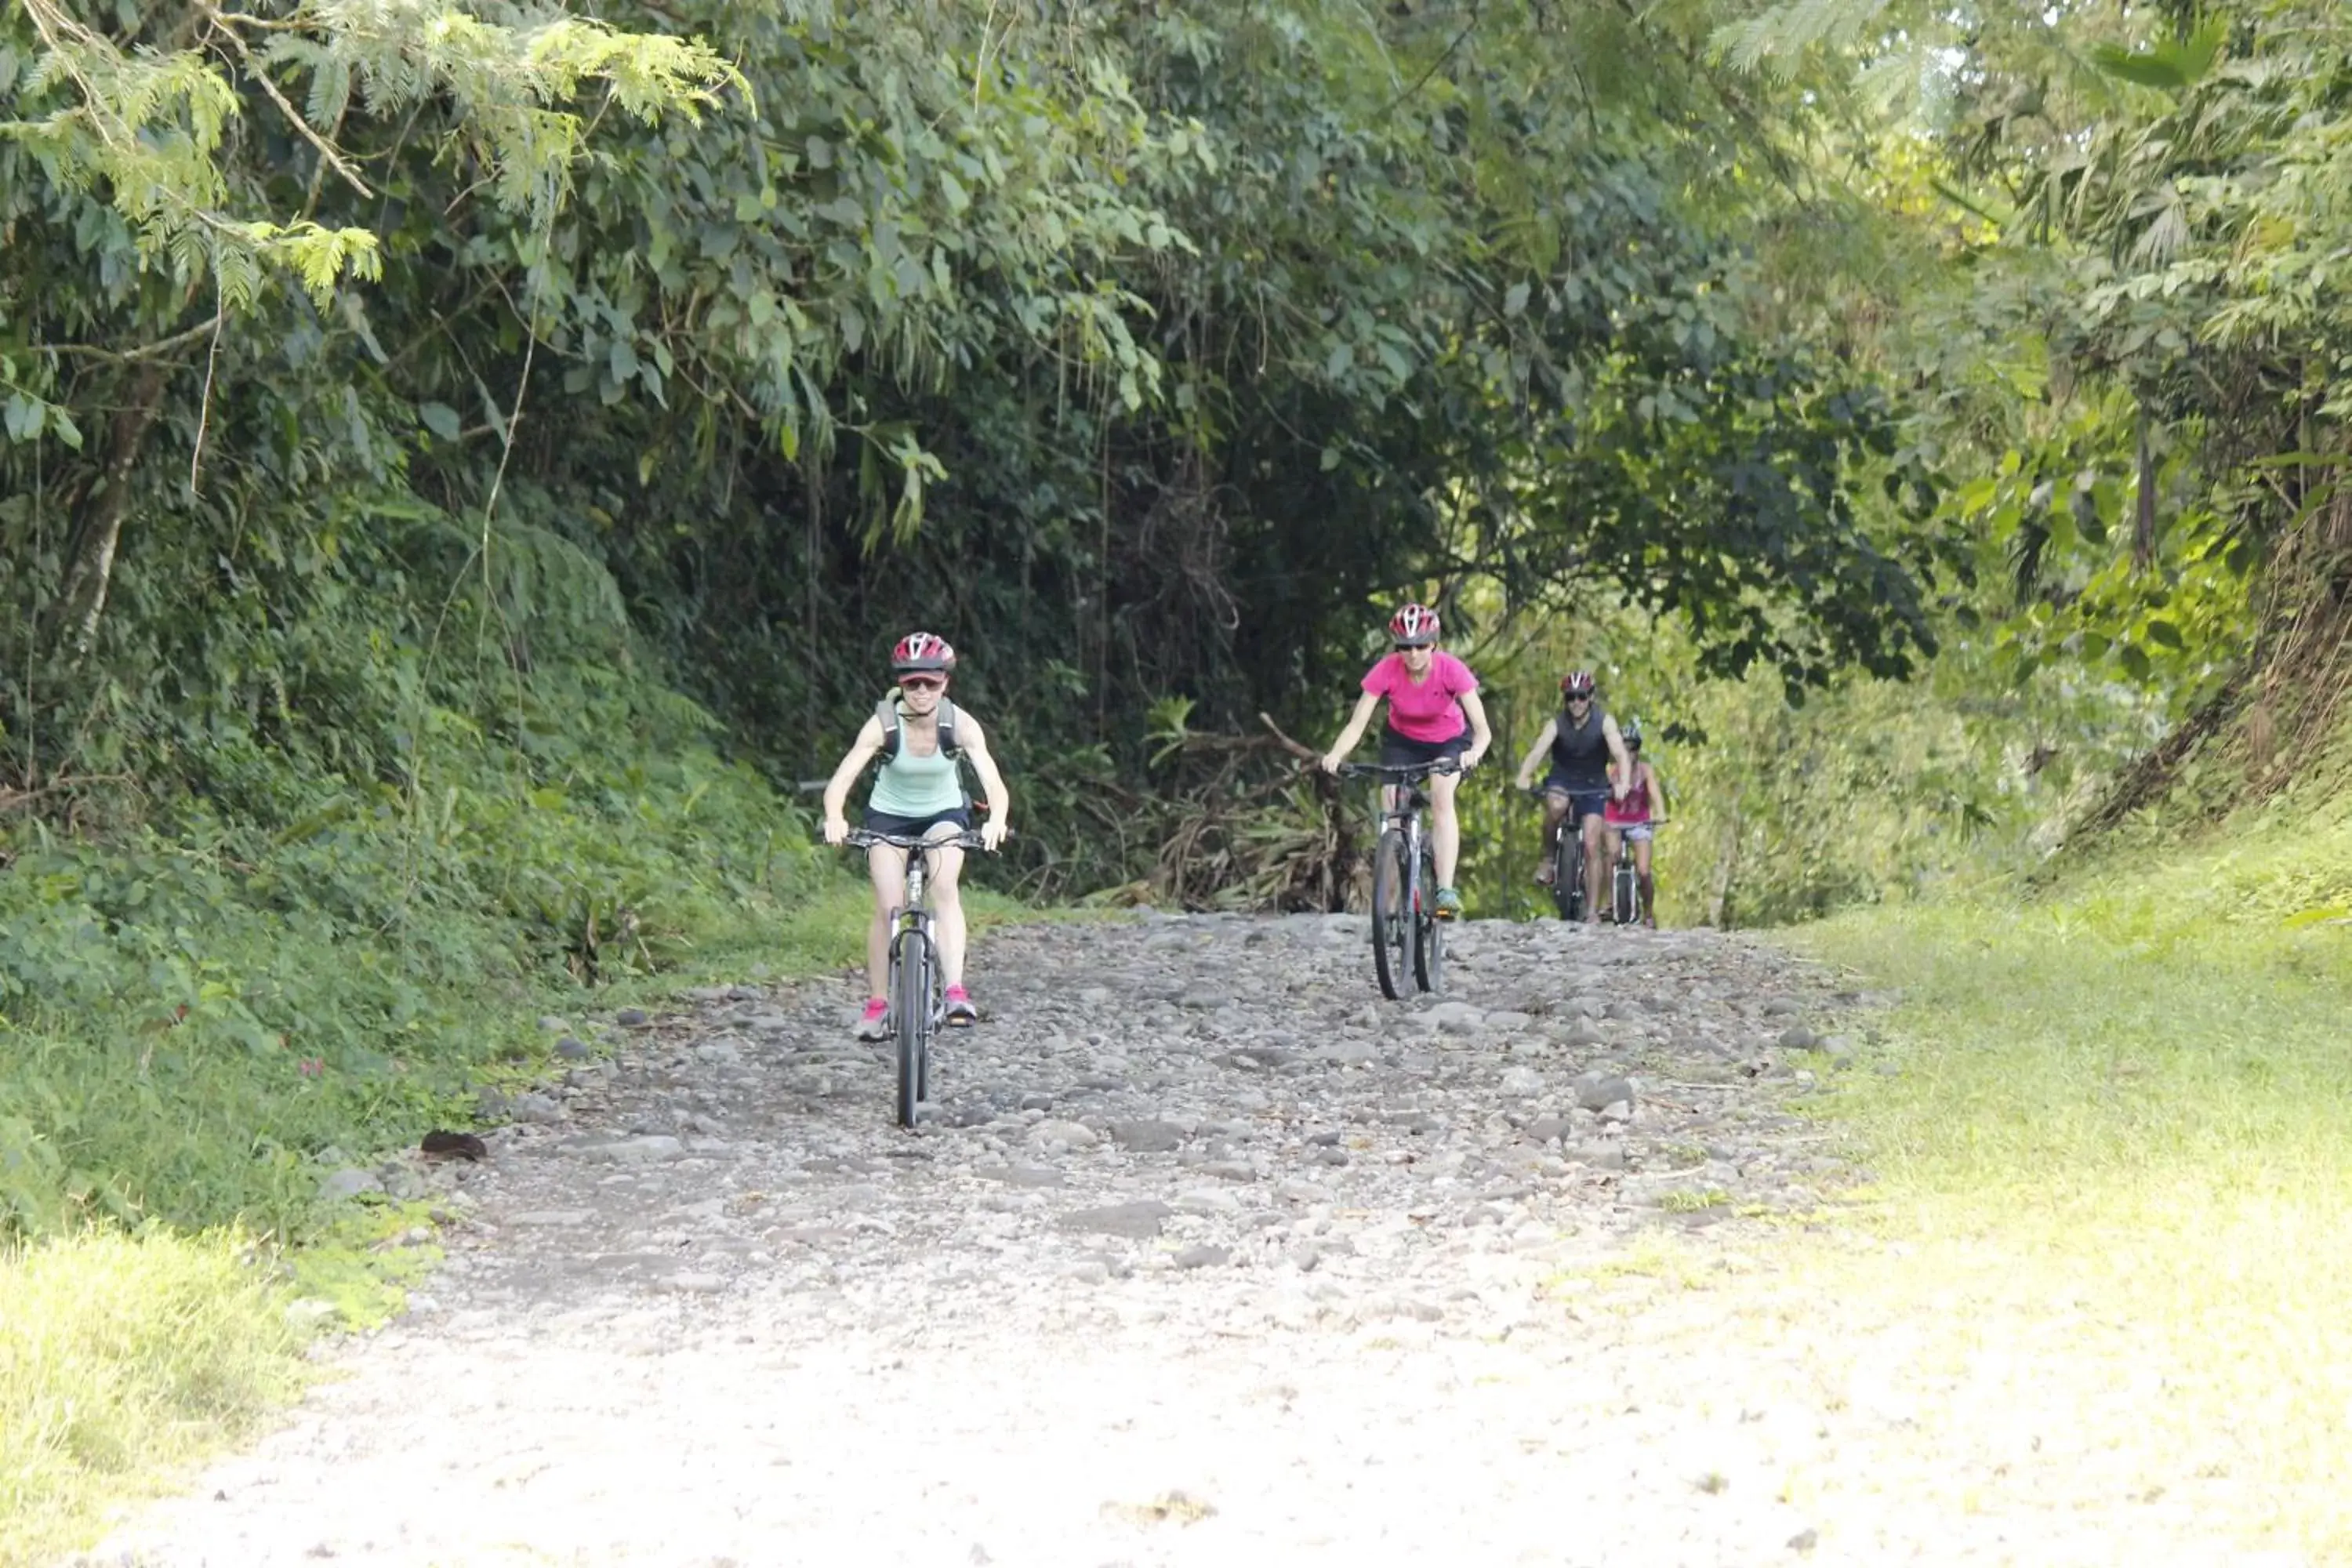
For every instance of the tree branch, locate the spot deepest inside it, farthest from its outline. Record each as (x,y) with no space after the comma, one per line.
(92,571)
(156,350)
(333,159)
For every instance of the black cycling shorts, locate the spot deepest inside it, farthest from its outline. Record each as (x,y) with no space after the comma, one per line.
(916,827)
(1582,801)
(1402,751)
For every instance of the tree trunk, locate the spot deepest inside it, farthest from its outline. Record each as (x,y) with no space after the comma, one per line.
(100,535)
(1727,867)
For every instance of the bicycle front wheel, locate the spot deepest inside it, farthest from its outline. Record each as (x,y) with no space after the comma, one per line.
(1392,917)
(1428,934)
(1568,872)
(1625,893)
(910,1005)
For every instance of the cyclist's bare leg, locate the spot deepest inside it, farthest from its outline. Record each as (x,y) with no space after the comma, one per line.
(885,864)
(1610,842)
(1555,811)
(1444,826)
(1642,875)
(946,909)
(1595,868)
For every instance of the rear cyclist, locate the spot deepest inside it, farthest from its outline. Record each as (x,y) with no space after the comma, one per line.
(1633,816)
(1434,713)
(1583,742)
(917,792)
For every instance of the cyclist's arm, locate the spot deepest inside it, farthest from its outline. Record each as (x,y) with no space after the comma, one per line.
(1657,793)
(1481,735)
(1544,738)
(1623,780)
(974,742)
(1353,732)
(836,788)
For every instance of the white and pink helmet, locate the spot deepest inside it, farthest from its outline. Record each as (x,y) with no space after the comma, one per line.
(922,652)
(1416,625)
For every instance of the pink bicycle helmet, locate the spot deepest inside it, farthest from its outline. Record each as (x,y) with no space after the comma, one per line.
(1576,683)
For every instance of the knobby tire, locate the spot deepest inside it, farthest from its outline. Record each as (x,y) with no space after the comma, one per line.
(1391,920)
(1429,933)
(1567,870)
(910,1003)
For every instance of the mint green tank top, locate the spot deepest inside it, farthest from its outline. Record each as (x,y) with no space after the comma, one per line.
(911,785)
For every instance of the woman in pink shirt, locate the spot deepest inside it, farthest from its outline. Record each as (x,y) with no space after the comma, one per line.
(1433,713)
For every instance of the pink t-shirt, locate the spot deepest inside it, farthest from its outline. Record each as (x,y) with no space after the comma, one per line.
(1430,710)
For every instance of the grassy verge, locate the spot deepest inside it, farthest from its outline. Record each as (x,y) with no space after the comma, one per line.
(2113,1173)
(200,1017)
(119,1358)
(123,1360)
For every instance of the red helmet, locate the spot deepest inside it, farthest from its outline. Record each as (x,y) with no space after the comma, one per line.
(925,651)
(1577,683)
(1416,625)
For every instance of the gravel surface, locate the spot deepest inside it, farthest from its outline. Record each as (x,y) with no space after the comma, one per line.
(1208,1256)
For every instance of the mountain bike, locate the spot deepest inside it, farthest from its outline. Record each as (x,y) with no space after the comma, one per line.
(917,1002)
(1566,851)
(1625,880)
(1404,880)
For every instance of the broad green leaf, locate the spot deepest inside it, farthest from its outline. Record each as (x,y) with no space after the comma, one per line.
(2159,67)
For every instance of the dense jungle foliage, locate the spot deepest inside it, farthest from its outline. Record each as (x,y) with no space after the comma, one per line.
(463,467)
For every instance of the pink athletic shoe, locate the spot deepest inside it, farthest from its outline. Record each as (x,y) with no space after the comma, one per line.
(960,1011)
(874,1024)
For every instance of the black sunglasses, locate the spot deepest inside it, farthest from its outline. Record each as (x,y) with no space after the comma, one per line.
(1580,696)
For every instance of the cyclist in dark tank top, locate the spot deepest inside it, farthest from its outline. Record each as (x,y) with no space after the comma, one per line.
(1582,742)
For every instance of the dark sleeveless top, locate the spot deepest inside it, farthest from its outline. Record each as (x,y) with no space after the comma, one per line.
(1579,753)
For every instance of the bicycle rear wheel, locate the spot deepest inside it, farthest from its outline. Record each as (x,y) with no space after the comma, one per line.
(911,1002)
(1391,920)
(1428,934)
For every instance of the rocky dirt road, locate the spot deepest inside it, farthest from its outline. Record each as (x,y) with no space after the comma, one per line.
(1209,1258)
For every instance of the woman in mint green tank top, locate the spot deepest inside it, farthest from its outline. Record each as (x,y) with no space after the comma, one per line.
(920,737)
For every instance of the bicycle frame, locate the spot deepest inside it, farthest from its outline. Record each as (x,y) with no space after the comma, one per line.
(1625,873)
(1413,921)
(1402,802)
(912,943)
(1567,885)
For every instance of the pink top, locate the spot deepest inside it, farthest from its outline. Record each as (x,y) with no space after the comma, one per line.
(1635,809)
(1430,710)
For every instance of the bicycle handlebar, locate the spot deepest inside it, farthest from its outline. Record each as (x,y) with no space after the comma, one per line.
(1399,773)
(866,838)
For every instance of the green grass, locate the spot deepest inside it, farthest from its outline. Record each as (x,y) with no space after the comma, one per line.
(198,1019)
(119,1359)
(2114,1165)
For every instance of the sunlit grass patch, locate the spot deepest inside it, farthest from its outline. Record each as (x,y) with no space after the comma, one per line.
(2113,1175)
(120,1359)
